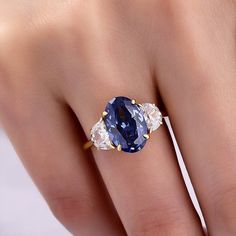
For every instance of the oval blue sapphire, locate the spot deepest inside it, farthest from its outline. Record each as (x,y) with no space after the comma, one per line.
(125,124)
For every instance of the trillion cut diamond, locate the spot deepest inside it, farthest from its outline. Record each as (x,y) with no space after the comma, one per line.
(100,137)
(152,116)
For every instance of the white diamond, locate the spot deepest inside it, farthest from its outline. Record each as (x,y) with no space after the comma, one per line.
(100,137)
(152,116)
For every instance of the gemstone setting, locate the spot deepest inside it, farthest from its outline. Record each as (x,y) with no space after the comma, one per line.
(125,124)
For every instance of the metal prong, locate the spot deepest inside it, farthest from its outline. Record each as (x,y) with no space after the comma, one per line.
(119,147)
(104,114)
(146,136)
(133,101)
(88,144)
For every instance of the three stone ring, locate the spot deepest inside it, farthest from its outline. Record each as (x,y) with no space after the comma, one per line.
(125,125)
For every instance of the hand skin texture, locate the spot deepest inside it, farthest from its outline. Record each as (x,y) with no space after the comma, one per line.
(61,61)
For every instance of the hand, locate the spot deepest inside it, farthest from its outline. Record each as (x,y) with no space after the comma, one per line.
(61,61)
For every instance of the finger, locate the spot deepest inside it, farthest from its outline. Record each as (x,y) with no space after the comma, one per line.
(48,141)
(147,188)
(199,92)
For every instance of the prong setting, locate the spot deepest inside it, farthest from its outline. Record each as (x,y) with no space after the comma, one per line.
(119,148)
(104,114)
(110,131)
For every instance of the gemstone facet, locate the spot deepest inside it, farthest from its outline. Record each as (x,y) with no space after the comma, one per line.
(125,124)
(100,137)
(152,116)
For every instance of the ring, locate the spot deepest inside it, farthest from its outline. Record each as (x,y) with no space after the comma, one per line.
(125,125)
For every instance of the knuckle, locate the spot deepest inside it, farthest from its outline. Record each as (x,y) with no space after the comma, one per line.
(71,208)
(151,221)
(170,10)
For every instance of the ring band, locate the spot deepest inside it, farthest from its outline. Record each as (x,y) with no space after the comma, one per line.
(125,125)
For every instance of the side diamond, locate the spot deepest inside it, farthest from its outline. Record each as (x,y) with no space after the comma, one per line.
(152,116)
(100,137)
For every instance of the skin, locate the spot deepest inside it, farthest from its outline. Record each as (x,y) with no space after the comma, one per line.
(61,61)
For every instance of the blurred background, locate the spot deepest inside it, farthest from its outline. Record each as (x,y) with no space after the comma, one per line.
(23,211)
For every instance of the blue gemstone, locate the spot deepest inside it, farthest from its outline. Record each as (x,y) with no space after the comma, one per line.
(125,124)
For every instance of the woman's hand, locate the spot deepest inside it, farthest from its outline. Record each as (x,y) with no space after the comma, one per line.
(61,61)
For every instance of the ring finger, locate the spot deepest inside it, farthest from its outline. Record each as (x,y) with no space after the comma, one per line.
(147,189)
